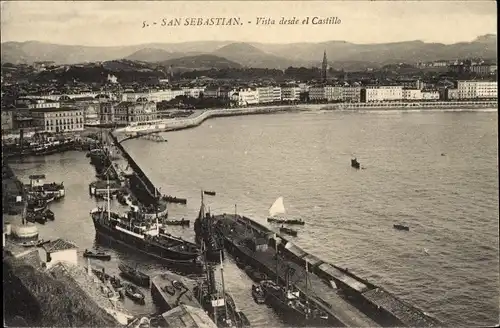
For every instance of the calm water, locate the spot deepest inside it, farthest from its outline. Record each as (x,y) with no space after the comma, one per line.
(450,202)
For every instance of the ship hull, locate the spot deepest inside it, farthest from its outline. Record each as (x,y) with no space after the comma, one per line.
(175,259)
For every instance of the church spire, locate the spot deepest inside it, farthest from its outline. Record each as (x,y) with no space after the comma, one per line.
(324,67)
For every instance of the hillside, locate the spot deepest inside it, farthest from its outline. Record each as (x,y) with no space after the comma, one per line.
(250,56)
(200,62)
(255,54)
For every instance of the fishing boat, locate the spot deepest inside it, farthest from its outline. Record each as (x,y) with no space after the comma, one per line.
(36,205)
(258,294)
(289,221)
(401,227)
(134,275)
(182,222)
(175,200)
(134,293)
(97,255)
(219,305)
(204,234)
(210,193)
(49,215)
(355,164)
(288,231)
(287,301)
(255,275)
(277,209)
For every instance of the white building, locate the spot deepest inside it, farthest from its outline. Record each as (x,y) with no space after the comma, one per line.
(317,93)
(276,94)
(430,95)
(246,97)
(477,89)
(290,93)
(63,119)
(381,93)
(352,94)
(265,94)
(57,251)
(334,93)
(412,94)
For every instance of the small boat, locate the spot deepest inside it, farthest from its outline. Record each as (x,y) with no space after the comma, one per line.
(175,200)
(29,243)
(39,218)
(134,293)
(210,193)
(42,242)
(401,227)
(258,294)
(183,222)
(239,263)
(355,164)
(134,275)
(288,231)
(49,215)
(97,255)
(289,221)
(255,275)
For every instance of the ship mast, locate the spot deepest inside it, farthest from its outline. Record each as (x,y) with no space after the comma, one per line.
(307,298)
(109,201)
(276,248)
(223,287)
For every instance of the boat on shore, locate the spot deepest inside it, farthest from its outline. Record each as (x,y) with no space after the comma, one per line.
(134,275)
(134,294)
(401,227)
(97,255)
(288,231)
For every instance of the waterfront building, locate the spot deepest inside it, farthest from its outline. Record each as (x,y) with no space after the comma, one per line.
(412,84)
(290,93)
(276,94)
(430,95)
(265,94)
(211,92)
(58,119)
(245,97)
(451,94)
(334,93)
(477,89)
(317,93)
(89,106)
(352,94)
(58,251)
(127,112)
(412,94)
(304,87)
(381,93)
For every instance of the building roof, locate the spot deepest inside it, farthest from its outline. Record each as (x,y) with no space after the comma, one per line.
(55,109)
(188,316)
(58,245)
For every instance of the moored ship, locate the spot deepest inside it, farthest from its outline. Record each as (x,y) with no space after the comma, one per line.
(144,236)
(203,228)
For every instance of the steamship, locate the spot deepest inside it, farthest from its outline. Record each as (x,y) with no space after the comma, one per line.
(143,235)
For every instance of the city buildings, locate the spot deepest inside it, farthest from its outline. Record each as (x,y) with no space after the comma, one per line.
(477,89)
(381,93)
(334,93)
(290,93)
(126,112)
(245,97)
(58,119)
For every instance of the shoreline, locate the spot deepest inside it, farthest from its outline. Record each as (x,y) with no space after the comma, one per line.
(169,125)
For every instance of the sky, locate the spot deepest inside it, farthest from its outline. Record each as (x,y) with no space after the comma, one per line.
(116,23)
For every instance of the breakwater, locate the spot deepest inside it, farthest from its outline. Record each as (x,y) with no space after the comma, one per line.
(441,105)
(196,119)
(139,181)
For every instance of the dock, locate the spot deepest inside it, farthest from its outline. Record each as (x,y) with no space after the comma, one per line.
(352,300)
(170,290)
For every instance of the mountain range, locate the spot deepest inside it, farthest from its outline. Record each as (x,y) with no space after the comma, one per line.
(223,54)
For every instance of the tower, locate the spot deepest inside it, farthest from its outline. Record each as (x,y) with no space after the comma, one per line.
(324,67)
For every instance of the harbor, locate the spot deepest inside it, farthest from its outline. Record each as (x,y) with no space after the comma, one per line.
(350,299)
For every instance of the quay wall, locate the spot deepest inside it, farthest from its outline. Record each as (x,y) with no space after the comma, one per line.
(417,105)
(142,177)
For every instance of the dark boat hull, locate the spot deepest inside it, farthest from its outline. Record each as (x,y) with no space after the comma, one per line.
(98,257)
(173,258)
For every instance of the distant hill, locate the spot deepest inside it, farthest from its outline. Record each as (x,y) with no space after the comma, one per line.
(255,54)
(250,56)
(153,55)
(200,62)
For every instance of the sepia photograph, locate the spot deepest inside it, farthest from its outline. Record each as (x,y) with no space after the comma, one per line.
(250,164)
